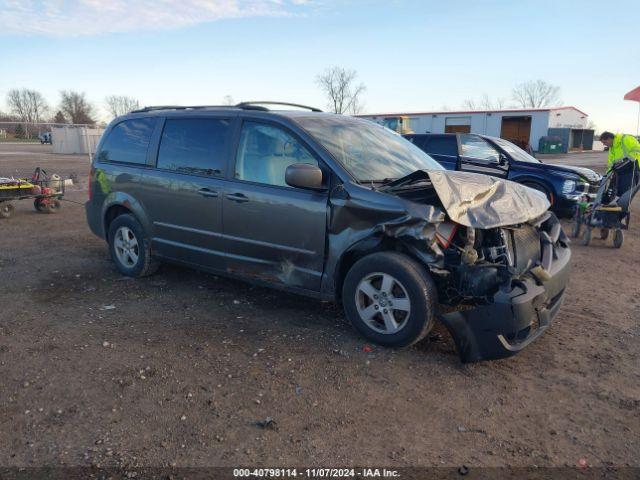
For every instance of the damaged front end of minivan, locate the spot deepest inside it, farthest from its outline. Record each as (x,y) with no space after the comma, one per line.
(499,258)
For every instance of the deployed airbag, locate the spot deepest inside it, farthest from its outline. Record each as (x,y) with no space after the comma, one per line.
(481,201)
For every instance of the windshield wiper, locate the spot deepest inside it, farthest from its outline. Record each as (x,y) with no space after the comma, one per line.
(382,182)
(415,177)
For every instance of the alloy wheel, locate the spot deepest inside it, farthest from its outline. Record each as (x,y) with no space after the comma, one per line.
(383,303)
(126,247)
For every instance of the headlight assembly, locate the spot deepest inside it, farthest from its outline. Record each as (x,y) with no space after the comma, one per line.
(568,186)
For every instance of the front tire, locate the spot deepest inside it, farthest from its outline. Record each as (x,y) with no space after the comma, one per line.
(577,223)
(53,205)
(542,189)
(390,299)
(130,248)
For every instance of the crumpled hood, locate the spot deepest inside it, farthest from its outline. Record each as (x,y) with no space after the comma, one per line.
(482,201)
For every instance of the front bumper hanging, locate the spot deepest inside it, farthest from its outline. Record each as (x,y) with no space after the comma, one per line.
(516,317)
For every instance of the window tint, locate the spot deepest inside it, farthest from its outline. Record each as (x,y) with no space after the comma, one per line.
(265,152)
(442,145)
(128,141)
(417,140)
(476,147)
(194,145)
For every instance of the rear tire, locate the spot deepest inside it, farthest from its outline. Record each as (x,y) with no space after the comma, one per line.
(604,233)
(130,248)
(618,238)
(6,210)
(404,308)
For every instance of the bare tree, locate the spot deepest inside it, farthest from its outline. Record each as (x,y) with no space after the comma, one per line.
(470,104)
(75,107)
(59,118)
(536,94)
(228,100)
(342,92)
(485,103)
(120,105)
(28,105)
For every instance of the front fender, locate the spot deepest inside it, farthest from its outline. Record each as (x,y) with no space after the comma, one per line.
(539,180)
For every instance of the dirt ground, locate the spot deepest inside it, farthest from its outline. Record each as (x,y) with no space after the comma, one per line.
(179,368)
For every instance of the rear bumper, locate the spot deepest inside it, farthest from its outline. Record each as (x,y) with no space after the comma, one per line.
(94,219)
(516,317)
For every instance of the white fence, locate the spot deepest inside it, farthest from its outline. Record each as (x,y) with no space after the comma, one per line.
(75,139)
(64,138)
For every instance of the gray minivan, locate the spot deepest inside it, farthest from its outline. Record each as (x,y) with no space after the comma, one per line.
(333,207)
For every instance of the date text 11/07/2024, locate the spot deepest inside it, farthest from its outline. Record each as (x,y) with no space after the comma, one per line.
(315,473)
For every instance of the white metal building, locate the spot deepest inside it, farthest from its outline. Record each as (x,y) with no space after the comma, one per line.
(69,139)
(518,125)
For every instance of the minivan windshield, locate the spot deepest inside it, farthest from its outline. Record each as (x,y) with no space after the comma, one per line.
(367,150)
(516,152)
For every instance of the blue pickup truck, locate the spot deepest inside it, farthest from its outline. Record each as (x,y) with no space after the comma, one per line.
(563,185)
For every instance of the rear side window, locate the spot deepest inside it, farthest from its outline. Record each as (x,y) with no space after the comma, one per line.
(442,146)
(128,141)
(194,145)
(418,141)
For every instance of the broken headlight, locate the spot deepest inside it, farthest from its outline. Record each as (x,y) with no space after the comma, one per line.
(498,247)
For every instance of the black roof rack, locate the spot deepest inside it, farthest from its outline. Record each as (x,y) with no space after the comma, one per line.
(241,105)
(177,107)
(258,106)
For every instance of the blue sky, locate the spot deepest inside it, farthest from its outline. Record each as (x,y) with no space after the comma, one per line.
(411,55)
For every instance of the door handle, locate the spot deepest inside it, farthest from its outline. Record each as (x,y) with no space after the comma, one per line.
(205,192)
(237,197)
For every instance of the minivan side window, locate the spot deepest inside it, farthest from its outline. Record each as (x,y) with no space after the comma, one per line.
(265,152)
(128,141)
(194,145)
(477,147)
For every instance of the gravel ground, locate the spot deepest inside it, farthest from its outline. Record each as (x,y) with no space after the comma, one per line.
(184,368)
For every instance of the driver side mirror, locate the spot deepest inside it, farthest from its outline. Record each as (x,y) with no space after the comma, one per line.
(503,160)
(303,175)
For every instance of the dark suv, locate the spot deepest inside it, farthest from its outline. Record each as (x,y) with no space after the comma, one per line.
(563,185)
(332,207)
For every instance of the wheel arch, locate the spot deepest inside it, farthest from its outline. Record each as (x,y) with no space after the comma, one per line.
(368,246)
(120,203)
(528,181)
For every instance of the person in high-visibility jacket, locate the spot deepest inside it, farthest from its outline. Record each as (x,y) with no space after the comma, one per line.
(623,146)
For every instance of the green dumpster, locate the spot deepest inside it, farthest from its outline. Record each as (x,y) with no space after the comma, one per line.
(550,144)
